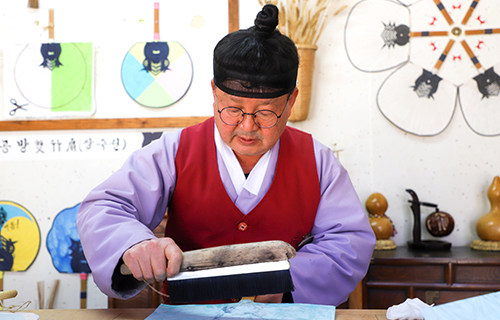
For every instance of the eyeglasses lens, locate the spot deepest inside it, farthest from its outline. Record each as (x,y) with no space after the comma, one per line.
(234,116)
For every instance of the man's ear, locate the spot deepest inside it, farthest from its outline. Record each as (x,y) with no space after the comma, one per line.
(213,94)
(291,101)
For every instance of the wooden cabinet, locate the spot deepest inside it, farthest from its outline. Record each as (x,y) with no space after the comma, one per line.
(432,276)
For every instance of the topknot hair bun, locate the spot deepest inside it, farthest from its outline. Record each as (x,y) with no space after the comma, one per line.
(267,19)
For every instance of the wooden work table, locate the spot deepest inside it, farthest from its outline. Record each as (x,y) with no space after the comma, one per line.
(141,314)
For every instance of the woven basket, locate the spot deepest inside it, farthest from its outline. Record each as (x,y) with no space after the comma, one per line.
(386,244)
(300,110)
(483,245)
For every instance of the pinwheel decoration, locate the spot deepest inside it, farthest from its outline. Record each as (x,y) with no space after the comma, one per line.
(444,55)
(157,74)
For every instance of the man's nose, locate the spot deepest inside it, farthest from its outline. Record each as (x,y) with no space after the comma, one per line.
(248,123)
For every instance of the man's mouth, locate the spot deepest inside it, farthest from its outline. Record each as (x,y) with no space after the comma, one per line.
(246,141)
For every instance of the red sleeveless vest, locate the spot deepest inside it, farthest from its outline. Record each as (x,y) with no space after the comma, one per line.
(201,214)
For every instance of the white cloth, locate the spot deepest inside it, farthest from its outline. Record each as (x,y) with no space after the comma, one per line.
(408,310)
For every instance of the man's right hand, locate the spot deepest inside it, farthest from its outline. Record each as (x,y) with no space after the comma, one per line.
(147,260)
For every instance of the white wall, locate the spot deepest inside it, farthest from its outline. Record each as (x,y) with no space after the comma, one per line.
(453,169)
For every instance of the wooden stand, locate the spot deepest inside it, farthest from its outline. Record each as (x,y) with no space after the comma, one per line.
(418,243)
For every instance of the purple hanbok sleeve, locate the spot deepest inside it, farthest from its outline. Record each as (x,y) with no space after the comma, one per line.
(327,270)
(125,208)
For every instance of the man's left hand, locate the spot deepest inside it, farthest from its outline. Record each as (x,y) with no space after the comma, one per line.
(269,298)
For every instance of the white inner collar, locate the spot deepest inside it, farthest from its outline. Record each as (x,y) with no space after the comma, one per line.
(254,181)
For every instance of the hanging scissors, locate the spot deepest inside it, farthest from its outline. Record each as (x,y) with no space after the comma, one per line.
(14,102)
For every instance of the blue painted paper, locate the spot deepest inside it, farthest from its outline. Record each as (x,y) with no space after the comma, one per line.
(244,309)
(485,307)
(7,315)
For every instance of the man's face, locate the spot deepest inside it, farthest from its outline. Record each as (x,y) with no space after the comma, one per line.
(248,141)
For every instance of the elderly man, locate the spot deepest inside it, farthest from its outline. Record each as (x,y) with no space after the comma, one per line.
(241,176)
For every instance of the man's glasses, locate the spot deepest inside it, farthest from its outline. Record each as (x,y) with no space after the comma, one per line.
(264,119)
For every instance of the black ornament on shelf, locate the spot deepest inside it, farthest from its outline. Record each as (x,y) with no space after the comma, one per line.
(439,224)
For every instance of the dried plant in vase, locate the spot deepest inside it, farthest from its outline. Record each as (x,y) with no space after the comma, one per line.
(303,21)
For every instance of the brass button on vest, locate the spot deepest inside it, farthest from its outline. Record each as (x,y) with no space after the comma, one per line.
(242,226)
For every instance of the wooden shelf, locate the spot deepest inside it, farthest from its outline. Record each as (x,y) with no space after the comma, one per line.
(83,124)
(432,276)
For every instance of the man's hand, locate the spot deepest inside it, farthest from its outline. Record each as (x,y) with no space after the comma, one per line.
(147,260)
(269,298)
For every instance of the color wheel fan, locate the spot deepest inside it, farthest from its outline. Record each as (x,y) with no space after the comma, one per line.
(159,73)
